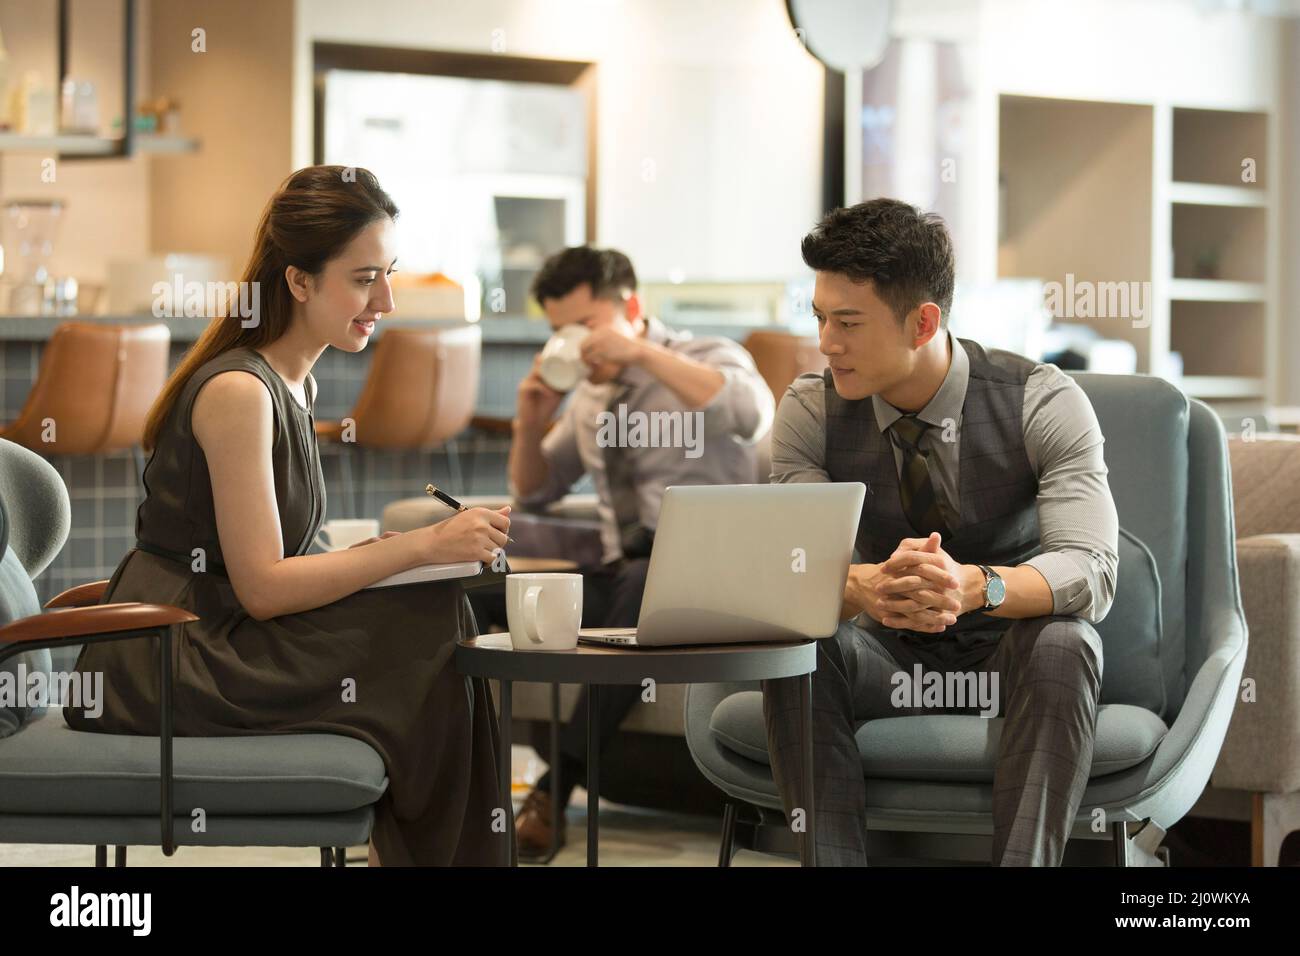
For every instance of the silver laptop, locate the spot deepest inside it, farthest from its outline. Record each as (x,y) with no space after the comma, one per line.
(745,563)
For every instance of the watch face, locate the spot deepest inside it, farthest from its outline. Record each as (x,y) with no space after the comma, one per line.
(995,591)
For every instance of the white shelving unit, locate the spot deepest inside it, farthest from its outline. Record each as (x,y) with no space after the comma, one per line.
(1221,298)
(1200,228)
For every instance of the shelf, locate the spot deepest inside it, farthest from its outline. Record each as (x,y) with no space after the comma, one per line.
(1215,290)
(1222,386)
(80,145)
(164,145)
(68,145)
(1210,194)
(1210,145)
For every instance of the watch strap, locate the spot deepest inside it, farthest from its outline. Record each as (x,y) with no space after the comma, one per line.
(989,574)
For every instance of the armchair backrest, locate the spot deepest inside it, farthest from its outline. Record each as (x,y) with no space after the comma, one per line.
(39,514)
(421,389)
(34,520)
(1168,473)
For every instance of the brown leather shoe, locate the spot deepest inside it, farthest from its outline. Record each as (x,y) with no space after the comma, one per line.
(533,826)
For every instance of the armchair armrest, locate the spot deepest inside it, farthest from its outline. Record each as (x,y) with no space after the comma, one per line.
(1215,623)
(79,596)
(1262,749)
(89,622)
(1204,715)
(115,622)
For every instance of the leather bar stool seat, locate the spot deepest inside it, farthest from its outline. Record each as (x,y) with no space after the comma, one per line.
(93,389)
(419,394)
(781,358)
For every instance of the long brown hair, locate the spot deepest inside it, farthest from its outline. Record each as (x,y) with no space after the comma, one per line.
(314,214)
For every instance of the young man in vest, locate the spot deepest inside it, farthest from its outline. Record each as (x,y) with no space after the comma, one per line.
(638,367)
(987,539)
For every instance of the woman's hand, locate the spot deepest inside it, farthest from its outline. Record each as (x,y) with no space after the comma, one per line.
(471,535)
(386,534)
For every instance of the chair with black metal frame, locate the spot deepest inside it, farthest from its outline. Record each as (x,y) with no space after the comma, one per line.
(61,786)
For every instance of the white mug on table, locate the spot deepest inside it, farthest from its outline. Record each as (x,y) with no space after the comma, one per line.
(345,532)
(544,611)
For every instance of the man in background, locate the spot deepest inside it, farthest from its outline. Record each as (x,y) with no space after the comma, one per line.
(638,365)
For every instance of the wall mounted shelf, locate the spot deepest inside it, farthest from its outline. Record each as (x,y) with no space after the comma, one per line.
(71,144)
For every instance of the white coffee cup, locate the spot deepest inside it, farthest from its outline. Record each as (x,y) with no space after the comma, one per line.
(562,367)
(544,611)
(345,532)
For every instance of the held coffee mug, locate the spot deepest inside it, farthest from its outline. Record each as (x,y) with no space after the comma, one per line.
(544,611)
(562,367)
(345,532)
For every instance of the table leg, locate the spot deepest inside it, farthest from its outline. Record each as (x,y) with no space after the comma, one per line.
(503,770)
(557,787)
(593,777)
(808,841)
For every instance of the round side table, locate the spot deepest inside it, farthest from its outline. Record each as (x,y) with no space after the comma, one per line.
(492,656)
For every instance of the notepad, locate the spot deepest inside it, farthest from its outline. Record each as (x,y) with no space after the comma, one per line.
(430,572)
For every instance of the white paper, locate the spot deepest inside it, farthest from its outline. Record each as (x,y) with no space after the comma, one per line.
(430,572)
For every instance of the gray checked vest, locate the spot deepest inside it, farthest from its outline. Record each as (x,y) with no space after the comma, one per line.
(998,521)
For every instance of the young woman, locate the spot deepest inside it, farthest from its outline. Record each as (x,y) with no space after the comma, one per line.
(289,642)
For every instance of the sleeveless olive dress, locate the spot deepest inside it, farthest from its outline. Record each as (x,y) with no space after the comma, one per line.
(436,731)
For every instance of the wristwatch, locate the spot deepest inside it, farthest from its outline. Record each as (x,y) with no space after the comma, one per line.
(995,589)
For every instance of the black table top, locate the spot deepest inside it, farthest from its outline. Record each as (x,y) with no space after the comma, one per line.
(493,656)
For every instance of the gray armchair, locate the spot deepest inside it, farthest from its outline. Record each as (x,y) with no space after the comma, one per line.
(61,786)
(1175,645)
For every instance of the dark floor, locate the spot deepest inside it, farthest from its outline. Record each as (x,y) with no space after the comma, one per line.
(1199,841)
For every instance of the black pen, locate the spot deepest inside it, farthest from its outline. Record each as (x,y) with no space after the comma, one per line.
(451,502)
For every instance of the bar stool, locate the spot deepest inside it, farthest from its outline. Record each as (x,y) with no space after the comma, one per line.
(492,426)
(782,357)
(94,388)
(419,394)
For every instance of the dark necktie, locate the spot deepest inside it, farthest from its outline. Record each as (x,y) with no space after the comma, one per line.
(635,539)
(915,489)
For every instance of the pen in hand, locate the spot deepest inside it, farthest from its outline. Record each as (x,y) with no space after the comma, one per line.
(450,502)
